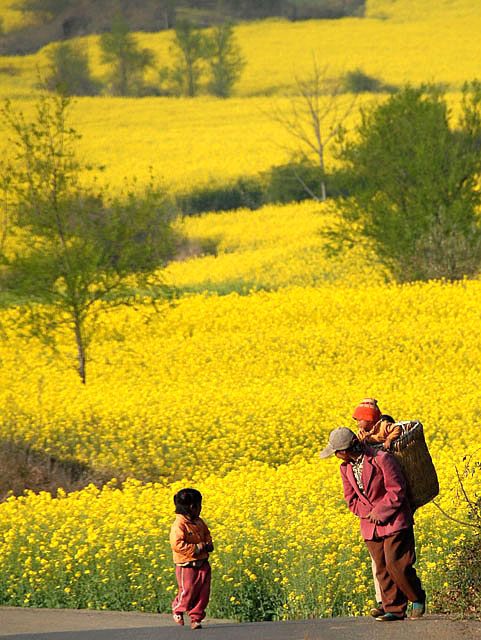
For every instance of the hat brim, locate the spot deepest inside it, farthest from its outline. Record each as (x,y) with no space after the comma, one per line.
(327,452)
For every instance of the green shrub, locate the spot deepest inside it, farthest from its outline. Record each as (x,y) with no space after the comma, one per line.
(462,596)
(281,184)
(245,192)
(357,81)
(69,71)
(297,181)
(291,182)
(419,204)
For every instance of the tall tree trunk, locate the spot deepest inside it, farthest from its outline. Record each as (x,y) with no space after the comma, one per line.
(323,191)
(81,349)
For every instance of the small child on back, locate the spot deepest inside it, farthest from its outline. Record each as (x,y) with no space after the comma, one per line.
(191,543)
(374,427)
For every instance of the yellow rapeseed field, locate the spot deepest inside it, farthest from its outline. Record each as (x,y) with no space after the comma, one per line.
(181,143)
(397,42)
(191,142)
(235,386)
(236,394)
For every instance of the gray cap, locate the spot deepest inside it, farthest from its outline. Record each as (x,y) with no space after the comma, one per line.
(339,439)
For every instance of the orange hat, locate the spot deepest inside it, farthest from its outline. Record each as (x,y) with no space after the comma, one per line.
(367,410)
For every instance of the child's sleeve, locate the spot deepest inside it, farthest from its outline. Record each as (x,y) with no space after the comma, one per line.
(394,431)
(208,539)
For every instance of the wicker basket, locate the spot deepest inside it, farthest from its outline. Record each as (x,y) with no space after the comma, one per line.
(411,451)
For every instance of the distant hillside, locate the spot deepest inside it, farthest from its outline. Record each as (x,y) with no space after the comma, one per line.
(53,20)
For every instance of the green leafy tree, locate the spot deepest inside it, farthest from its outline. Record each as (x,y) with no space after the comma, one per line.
(128,61)
(69,71)
(420,176)
(74,254)
(189,49)
(225,60)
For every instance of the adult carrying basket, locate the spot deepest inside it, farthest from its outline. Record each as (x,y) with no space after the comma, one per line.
(411,451)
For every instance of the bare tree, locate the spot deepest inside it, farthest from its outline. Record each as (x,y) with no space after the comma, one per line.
(314,117)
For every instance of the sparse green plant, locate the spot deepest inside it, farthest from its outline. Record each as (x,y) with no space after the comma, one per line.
(461,594)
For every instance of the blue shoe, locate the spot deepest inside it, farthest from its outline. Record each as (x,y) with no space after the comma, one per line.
(418,610)
(389,617)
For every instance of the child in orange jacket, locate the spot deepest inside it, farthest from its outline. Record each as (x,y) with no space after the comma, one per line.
(373,427)
(191,543)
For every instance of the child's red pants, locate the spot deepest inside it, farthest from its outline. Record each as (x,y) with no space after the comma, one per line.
(194,591)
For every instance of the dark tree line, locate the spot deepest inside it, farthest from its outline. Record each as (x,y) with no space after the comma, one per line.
(166,10)
(294,9)
(64,19)
(212,58)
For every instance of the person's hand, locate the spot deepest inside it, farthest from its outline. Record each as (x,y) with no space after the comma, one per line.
(199,547)
(387,445)
(373,518)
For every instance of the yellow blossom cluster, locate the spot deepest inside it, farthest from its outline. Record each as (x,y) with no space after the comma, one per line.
(286,546)
(178,143)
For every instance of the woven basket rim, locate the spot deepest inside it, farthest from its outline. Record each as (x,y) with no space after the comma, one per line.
(416,428)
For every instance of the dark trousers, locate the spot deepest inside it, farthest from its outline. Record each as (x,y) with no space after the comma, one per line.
(194,591)
(395,556)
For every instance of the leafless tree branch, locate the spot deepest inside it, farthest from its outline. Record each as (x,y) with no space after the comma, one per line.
(315,116)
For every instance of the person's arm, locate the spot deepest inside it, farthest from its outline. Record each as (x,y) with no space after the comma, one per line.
(209,545)
(362,435)
(354,503)
(393,432)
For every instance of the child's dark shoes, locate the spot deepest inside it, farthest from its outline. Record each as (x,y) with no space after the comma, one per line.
(178,618)
(377,610)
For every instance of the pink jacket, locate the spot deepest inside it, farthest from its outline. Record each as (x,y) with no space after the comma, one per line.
(385,494)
